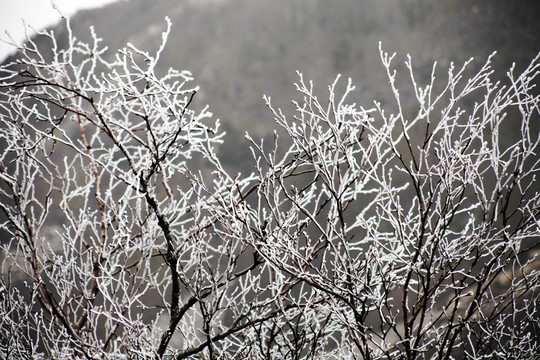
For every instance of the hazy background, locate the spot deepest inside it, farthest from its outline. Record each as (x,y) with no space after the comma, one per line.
(239,50)
(37,14)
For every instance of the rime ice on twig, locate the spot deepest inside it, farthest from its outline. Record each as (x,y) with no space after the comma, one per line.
(364,234)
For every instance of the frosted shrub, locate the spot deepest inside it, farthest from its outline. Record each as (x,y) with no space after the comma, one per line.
(363,233)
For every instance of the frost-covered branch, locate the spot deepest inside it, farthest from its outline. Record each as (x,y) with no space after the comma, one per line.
(408,228)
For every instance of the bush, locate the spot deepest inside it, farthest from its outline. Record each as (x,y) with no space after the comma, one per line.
(365,233)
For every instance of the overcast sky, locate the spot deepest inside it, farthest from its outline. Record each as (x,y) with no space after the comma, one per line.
(36,13)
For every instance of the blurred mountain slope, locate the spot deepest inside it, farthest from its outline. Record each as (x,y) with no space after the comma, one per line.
(239,50)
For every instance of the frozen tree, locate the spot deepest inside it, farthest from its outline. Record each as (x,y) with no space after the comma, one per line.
(382,232)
